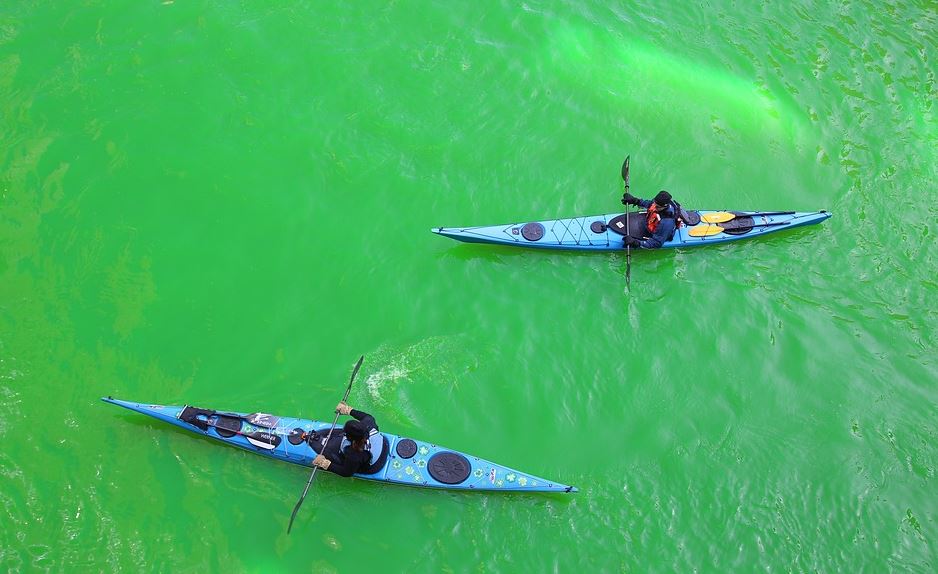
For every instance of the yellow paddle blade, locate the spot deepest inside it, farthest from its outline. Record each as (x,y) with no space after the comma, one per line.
(717,217)
(704,230)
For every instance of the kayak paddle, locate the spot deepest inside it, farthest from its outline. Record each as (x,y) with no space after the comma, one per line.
(628,248)
(328,436)
(721,216)
(713,228)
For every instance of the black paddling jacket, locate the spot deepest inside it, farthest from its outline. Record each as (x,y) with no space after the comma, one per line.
(346,461)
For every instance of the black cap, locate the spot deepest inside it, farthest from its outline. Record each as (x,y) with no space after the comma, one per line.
(354,430)
(663,198)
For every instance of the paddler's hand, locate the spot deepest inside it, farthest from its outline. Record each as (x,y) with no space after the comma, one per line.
(343,409)
(322,462)
(633,243)
(629,199)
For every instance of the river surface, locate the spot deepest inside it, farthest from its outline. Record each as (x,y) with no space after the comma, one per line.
(225,203)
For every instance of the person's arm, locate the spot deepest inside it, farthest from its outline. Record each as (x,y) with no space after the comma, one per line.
(629,199)
(351,463)
(665,229)
(364,418)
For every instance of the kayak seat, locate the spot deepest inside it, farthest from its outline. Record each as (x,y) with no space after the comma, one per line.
(382,459)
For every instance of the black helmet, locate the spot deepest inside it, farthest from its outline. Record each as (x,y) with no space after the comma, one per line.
(663,199)
(354,430)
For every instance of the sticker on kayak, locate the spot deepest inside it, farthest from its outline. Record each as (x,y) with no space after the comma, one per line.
(619,224)
(263,420)
(492,474)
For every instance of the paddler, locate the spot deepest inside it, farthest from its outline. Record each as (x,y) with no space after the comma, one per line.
(353,450)
(660,220)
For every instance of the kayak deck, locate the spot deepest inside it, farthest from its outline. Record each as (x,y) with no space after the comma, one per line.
(597,232)
(409,462)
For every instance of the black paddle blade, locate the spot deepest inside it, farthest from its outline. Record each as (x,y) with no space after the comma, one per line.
(625,169)
(358,365)
(293,516)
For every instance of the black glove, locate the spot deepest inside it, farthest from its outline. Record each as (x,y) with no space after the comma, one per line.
(629,199)
(632,242)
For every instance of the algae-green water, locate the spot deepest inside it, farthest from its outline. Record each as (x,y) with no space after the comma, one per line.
(225,204)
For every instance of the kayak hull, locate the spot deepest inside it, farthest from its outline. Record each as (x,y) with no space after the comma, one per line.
(408,463)
(594,233)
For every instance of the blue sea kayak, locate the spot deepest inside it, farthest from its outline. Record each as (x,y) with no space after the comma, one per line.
(404,461)
(607,232)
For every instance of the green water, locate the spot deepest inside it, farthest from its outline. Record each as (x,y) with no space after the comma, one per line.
(224,204)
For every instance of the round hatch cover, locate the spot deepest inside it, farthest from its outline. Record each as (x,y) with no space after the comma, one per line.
(406,448)
(532,231)
(449,467)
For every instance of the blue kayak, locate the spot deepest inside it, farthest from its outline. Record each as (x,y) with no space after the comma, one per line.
(402,460)
(607,232)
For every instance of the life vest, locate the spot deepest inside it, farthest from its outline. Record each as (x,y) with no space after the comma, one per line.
(653,216)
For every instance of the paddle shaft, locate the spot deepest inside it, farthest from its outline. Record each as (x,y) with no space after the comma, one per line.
(328,436)
(762,213)
(707,229)
(753,225)
(628,248)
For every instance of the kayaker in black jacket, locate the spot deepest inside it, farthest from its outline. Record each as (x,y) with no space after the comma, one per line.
(660,220)
(347,458)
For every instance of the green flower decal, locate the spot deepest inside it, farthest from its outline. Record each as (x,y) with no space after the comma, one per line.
(499,483)
(409,470)
(478,473)
(511,477)
(424,450)
(523,481)
(421,463)
(396,464)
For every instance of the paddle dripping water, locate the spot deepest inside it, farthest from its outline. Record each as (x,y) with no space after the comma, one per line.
(219,204)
